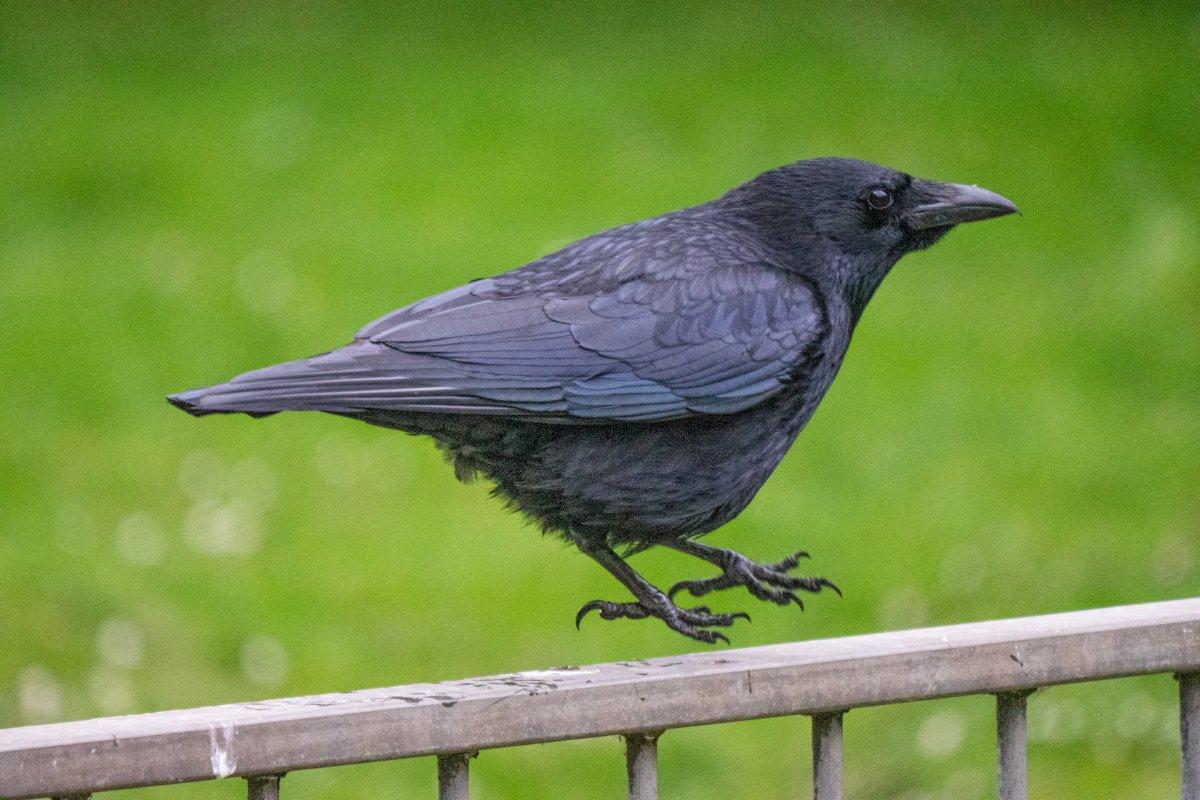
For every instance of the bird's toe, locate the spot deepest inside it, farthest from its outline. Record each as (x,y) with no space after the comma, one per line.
(611,610)
(790,562)
(703,615)
(691,622)
(701,587)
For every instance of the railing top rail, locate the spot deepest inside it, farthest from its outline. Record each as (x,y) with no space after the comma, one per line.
(277,736)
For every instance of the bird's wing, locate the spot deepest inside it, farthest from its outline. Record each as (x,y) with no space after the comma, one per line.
(713,343)
(643,336)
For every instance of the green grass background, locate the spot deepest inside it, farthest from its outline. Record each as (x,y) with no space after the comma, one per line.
(191,190)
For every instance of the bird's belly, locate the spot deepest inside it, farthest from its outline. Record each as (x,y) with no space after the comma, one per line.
(637,484)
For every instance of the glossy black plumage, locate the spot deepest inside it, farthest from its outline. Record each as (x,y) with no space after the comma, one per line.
(638,386)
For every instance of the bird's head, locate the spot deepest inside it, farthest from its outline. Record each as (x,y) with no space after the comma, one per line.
(847,222)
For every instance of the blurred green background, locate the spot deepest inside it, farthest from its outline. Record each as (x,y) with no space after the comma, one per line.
(188,191)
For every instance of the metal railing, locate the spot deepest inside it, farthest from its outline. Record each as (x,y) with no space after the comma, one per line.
(635,699)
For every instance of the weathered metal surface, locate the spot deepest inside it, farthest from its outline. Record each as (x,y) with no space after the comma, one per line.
(454,776)
(608,699)
(263,787)
(1189,729)
(641,765)
(1011,749)
(827,756)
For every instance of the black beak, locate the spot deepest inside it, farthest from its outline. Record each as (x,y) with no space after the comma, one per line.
(946,204)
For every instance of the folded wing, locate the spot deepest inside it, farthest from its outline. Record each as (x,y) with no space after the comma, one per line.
(711,342)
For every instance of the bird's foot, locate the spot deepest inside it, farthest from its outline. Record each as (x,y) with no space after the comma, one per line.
(769,582)
(693,622)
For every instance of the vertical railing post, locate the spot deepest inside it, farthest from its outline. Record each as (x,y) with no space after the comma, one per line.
(454,776)
(827,756)
(1012,772)
(641,765)
(1189,735)
(263,787)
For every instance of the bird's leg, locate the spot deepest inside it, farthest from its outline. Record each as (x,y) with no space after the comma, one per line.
(651,602)
(765,581)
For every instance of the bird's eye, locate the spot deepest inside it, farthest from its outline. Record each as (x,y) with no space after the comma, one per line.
(879,198)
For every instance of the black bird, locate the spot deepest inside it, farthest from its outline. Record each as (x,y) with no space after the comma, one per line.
(638,386)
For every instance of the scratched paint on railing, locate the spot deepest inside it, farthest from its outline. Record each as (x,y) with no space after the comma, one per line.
(220,738)
(553,673)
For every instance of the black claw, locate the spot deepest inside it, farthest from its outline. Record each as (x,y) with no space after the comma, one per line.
(694,588)
(783,598)
(831,584)
(594,605)
(700,634)
(791,561)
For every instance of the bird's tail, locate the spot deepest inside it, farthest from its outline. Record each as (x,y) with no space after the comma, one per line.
(292,386)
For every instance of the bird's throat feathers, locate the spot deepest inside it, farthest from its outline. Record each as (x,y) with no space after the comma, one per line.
(857,284)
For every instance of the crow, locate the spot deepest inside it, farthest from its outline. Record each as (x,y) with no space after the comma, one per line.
(636,388)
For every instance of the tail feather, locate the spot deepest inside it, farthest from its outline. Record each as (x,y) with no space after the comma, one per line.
(189,401)
(362,376)
(214,400)
(365,376)
(281,387)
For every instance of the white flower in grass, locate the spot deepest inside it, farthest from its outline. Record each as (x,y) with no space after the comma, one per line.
(119,642)
(110,691)
(233,528)
(941,734)
(39,695)
(140,540)
(264,660)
